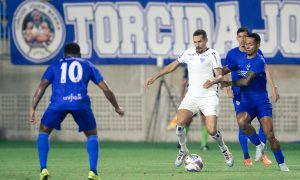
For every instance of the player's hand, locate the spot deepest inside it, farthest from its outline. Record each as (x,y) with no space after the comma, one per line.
(149,81)
(32,116)
(208,83)
(120,111)
(275,94)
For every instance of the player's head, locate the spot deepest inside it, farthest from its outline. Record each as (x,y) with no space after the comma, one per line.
(252,43)
(72,50)
(200,40)
(241,35)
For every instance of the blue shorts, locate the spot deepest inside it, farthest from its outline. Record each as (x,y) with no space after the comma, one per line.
(257,109)
(84,118)
(236,102)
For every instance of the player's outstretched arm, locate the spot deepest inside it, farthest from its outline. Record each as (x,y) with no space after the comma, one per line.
(111,97)
(225,70)
(241,82)
(36,98)
(275,94)
(168,69)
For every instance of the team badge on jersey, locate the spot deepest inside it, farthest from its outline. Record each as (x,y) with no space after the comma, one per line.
(248,66)
(38,30)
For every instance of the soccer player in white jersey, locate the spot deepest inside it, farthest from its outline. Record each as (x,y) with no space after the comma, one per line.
(204,71)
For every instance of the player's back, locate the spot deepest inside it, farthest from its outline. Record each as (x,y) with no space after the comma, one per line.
(70,78)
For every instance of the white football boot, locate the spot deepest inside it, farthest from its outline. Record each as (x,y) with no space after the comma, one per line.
(283,167)
(180,157)
(259,151)
(227,156)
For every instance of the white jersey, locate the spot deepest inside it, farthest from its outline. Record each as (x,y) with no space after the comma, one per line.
(200,68)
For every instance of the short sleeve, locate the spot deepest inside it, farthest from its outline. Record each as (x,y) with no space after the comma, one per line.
(183,57)
(232,66)
(258,66)
(48,74)
(216,60)
(228,59)
(96,75)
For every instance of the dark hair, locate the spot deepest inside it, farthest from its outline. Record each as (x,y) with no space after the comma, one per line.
(72,48)
(242,29)
(255,36)
(199,32)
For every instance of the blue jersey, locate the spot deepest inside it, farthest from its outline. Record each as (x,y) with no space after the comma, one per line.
(233,57)
(69,78)
(257,89)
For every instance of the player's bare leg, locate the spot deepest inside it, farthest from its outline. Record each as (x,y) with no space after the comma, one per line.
(183,116)
(243,120)
(43,149)
(267,124)
(211,125)
(204,134)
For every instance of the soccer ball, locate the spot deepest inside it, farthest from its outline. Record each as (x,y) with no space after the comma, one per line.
(193,163)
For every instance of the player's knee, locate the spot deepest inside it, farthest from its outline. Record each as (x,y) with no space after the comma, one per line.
(270,136)
(211,131)
(45,129)
(242,125)
(179,130)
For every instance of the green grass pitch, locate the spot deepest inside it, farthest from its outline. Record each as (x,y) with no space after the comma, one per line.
(138,161)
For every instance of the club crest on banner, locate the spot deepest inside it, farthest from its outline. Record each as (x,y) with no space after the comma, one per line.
(38,30)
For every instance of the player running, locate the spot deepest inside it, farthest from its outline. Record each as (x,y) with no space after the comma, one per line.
(205,71)
(233,55)
(254,101)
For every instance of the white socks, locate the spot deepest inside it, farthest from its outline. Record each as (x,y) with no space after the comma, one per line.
(181,137)
(219,139)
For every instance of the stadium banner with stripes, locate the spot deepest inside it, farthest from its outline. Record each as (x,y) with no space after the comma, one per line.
(148,32)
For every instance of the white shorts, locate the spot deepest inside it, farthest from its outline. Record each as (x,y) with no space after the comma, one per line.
(207,105)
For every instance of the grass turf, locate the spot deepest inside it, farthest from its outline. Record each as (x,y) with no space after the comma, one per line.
(136,161)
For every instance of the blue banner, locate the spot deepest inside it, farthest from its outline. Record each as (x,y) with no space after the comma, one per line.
(144,32)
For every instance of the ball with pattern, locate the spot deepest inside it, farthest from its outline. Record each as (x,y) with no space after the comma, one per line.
(193,163)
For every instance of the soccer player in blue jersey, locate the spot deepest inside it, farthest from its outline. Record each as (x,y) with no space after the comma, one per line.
(233,92)
(69,77)
(254,101)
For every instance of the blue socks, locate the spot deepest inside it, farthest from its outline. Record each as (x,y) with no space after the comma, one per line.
(43,149)
(254,138)
(279,156)
(243,140)
(93,150)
